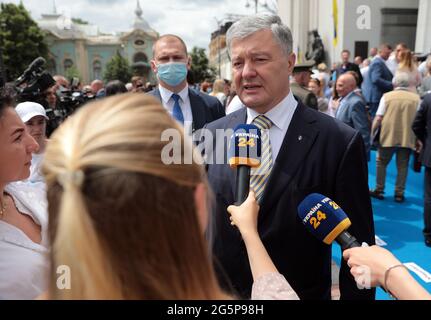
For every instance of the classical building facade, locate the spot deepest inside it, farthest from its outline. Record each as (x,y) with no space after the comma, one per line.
(84,47)
(358,24)
(218,55)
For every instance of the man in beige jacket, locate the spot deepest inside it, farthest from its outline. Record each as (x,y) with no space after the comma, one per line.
(396,112)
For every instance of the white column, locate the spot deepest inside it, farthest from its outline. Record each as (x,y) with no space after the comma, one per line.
(303,23)
(314,15)
(423,39)
(285,11)
(296,15)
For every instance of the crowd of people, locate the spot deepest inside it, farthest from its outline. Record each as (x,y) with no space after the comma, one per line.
(97,198)
(381,97)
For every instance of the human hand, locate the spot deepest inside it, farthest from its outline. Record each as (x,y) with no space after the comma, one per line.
(419,146)
(245,215)
(376,259)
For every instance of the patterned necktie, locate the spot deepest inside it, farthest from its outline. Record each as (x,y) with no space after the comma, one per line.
(260,175)
(177,113)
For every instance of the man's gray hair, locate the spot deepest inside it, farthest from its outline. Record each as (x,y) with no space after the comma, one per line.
(401,80)
(251,24)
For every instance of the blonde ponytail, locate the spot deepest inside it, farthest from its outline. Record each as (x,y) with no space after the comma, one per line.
(78,247)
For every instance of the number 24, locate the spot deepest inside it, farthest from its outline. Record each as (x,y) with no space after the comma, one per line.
(244,143)
(315,222)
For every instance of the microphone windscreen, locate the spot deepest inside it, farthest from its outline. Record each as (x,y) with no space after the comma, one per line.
(323,217)
(245,146)
(37,63)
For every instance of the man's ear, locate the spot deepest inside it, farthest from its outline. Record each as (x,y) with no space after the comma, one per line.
(153,66)
(291,62)
(189,62)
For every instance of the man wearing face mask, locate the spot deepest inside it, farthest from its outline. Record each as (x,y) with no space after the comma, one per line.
(171,63)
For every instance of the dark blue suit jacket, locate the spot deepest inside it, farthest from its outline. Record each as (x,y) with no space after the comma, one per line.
(318,154)
(421,127)
(205,108)
(377,82)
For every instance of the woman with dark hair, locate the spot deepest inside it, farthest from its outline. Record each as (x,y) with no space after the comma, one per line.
(23,219)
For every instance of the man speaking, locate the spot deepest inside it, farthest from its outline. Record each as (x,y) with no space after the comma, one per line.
(305,152)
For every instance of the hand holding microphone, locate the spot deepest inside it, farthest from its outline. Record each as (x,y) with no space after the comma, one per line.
(386,271)
(377,259)
(245,216)
(244,154)
(328,222)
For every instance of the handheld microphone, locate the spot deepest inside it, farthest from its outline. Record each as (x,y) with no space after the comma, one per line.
(244,153)
(326,221)
(35,65)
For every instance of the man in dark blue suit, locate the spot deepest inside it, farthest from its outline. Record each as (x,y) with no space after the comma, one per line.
(421,127)
(378,79)
(189,107)
(306,152)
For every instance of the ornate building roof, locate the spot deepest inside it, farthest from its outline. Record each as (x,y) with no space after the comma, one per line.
(64,27)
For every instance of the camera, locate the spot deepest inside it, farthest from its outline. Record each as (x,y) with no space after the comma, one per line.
(72,99)
(33,85)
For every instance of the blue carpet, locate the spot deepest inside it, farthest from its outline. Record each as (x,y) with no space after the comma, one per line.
(399,225)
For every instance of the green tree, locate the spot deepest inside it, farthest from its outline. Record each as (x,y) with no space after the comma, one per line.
(79,21)
(72,72)
(21,39)
(200,66)
(118,68)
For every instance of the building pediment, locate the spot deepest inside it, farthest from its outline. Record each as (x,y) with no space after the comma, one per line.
(138,33)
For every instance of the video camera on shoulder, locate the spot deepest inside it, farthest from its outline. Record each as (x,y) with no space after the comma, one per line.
(73,98)
(32,84)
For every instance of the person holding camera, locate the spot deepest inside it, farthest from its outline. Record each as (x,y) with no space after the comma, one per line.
(54,113)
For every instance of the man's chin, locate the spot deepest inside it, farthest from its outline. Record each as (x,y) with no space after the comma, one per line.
(249,101)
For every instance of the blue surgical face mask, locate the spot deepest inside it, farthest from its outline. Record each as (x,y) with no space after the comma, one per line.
(172,73)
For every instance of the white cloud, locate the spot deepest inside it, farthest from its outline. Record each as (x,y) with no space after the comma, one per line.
(193,20)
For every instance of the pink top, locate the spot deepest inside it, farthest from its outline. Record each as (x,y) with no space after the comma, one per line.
(272,286)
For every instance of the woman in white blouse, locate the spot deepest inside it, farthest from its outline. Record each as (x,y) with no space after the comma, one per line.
(23,219)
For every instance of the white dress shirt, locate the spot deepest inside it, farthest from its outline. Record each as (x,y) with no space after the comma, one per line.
(184,101)
(281,116)
(234,105)
(24,264)
(392,63)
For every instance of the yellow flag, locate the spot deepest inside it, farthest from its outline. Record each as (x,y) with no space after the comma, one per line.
(335,18)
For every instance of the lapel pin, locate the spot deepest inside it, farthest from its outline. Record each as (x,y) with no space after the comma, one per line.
(300,138)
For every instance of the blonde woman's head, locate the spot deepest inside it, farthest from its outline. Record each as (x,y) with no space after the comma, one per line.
(406,60)
(218,86)
(125,223)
